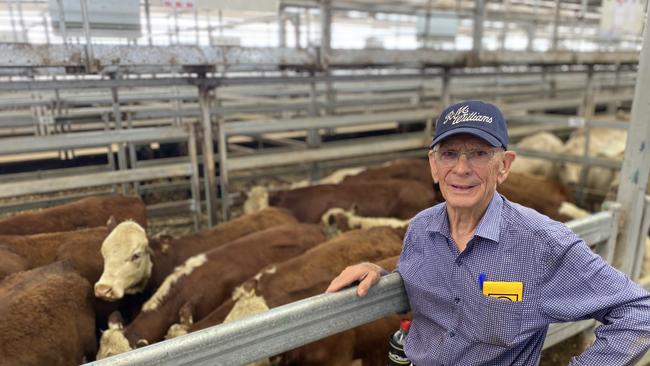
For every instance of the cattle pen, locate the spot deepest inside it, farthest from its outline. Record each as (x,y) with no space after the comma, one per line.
(197,102)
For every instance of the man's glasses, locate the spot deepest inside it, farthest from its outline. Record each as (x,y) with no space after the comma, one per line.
(476,158)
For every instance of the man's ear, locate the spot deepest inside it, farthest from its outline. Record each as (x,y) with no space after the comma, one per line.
(505,165)
(434,167)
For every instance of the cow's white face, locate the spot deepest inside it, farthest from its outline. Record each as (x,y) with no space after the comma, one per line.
(127,262)
(113,342)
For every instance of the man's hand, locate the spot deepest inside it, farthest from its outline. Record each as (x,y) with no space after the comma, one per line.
(367,273)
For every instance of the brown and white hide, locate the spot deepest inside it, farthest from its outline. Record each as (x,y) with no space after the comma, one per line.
(133,262)
(85,213)
(308,275)
(207,279)
(388,198)
(46,317)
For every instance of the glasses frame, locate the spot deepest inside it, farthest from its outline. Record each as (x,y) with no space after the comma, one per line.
(470,161)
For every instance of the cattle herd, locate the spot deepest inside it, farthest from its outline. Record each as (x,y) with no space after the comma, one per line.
(84,280)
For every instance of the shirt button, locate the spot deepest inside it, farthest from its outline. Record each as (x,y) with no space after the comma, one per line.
(457,300)
(452,334)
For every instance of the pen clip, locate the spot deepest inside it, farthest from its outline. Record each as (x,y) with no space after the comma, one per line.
(481,279)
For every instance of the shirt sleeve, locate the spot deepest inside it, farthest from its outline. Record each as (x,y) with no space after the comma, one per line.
(578,284)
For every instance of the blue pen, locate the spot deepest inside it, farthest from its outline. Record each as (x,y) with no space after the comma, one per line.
(481,279)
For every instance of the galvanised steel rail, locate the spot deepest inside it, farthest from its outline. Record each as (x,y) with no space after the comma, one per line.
(299,323)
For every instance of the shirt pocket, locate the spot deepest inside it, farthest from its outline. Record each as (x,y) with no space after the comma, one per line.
(500,322)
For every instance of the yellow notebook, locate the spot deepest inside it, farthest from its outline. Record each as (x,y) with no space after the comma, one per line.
(509,291)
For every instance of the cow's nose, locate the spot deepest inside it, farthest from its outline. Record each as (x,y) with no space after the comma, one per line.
(103,291)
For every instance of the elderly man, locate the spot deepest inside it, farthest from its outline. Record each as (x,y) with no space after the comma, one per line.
(485,276)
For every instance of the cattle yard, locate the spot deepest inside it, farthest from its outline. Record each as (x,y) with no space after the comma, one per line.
(279,149)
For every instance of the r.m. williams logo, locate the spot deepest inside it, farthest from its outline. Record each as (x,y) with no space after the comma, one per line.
(463,114)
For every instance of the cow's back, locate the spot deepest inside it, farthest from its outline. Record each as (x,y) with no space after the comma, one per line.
(389,198)
(541,194)
(412,169)
(81,247)
(47,317)
(85,213)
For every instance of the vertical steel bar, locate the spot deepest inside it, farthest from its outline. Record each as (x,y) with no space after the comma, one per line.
(636,165)
(479,15)
(195,182)
(21,21)
(90,57)
(282,27)
(196,23)
(46,29)
(133,157)
(326,32)
(117,117)
(14,31)
(208,155)
(147,12)
(556,26)
(224,182)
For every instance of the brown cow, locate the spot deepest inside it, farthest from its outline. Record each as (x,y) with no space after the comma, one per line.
(46,317)
(541,194)
(81,247)
(368,342)
(133,263)
(307,275)
(389,198)
(85,213)
(207,279)
(411,169)
(11,262)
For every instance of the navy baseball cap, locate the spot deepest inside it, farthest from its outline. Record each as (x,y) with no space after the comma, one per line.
(483,120)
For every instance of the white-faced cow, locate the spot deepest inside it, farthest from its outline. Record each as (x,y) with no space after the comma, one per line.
(85,213)
(206,280)
(133,262)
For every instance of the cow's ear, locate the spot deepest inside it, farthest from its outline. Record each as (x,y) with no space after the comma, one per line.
(115,320)
(111,223)
(141,343)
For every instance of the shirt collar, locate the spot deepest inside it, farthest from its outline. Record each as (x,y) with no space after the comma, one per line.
(489,227)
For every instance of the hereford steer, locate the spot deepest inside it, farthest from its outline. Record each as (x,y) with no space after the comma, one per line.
(80,247)
(337,220)
(46,318)
(85,213)
(543,195)
(603,143)
(389,198)
(133,262)
(206,280)
(307,275)
(368,342)
(410,169)
(542,141)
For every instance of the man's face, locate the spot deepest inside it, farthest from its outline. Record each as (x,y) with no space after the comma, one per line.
(468,170)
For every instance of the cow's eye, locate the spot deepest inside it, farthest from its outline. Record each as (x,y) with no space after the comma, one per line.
(136,256)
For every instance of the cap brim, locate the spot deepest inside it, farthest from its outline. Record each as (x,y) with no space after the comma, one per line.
(470,131)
